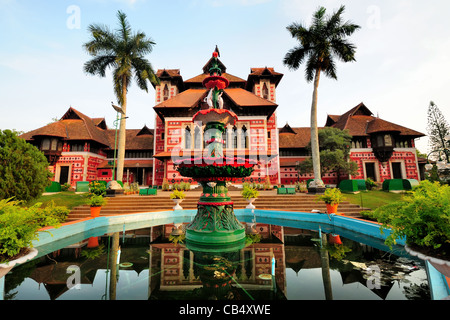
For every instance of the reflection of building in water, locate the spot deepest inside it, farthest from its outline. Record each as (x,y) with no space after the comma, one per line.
(178,269)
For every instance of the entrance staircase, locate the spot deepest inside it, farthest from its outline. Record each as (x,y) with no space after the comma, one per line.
(267,200)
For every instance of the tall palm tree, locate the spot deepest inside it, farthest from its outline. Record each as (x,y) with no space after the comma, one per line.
(123,52)
(320,45)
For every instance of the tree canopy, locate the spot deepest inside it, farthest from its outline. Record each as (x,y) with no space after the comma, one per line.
(334,146)
(24,170)
(438,129)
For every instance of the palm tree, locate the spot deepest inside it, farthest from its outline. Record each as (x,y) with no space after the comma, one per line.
(320,45)
(123,52)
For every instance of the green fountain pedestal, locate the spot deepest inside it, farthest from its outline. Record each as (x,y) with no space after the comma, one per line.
(215,222)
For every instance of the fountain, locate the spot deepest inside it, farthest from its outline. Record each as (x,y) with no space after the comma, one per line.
(215,223)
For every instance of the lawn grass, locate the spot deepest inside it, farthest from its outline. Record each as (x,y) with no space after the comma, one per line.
(373,199)
(69,199)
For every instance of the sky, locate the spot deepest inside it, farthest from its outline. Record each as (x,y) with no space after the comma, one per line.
(402,60)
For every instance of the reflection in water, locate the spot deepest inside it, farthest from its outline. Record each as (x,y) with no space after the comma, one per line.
(145,264)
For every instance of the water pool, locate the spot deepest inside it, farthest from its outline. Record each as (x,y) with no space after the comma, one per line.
(313,261)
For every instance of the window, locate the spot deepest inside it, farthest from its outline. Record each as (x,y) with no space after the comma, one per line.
(187,138)
(234,138)
(244,138)
(197,138)
(46,144)
(54,145)
(388,140)
(265,91)
(165,93)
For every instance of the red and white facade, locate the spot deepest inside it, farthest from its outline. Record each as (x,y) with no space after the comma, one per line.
(80,148)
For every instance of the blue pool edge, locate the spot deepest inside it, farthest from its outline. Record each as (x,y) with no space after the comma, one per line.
(438,285)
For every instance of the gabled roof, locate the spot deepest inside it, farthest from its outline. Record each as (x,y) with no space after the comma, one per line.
(198,80)
(145,130)
(173,75)
(207,66)
(136,139)
(168,73)
(73,125)
(258,73)
(359,121)
(286,130)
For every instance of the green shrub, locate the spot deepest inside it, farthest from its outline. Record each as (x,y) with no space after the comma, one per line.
(422,216)
(66,186)
(98,188)
(19,226)
(24,172)
(59,212)
(331,196)
(370,184)
(177,194)
(248,193)
(96,201)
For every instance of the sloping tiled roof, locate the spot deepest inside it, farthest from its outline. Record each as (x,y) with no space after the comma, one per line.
(134,140)
(185,99)
(286,129)
(300,139)
(199,79)
(74,125)
(170,73)
(191,97)
(256,73)
(359,121)
(245,98)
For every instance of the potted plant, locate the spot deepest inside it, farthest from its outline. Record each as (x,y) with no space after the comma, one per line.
(19,228)
(332,198)
(96,202)
(250,194)
(422,218)
(177,196)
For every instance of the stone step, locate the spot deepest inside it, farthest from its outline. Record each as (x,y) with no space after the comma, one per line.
(162,202)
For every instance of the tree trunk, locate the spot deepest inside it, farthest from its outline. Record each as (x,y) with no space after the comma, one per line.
(314,133)
(122,133)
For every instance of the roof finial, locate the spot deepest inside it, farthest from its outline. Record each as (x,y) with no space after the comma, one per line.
(217,50)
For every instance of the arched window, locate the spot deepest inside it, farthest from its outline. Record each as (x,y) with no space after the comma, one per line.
(165,92)
(265,91)
(187,138)
(234,138)
(197,138)
(244,138)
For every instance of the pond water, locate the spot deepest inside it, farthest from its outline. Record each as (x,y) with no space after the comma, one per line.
(147,264)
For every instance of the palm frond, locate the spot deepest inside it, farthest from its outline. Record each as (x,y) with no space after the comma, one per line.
(98,65)
(143,72)
(102,40)
(124,26)
(294,58)
(323,39)
(329,67)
